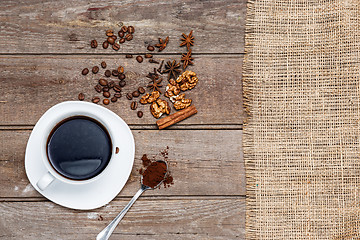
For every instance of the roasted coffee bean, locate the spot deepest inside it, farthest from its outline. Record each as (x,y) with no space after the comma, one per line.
(148,55)
(81,96)
(98,88)
(118,95)
(109,33)
(116,47)
(103,64)
(153,61)
(121,76)
(133,105)
(120,69)
(107,73)
(114,99)
(141,90)
(115,73)
(114,37)
(124,29)
(129,37)
(140,114)
(106,101)
(131,29)
(103,82)
(139,59)
(129,96)
(95,69)
(85,71)
(106,94)
(111,84)
(121,34)
(122,40)
(129,56)
(117,88)
(105,89)
(150,48)
(95,99)
(122,83)
(93,44)
(105,45)
(110,40)
(135,93)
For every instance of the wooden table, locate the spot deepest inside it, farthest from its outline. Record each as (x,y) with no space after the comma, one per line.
(44,47)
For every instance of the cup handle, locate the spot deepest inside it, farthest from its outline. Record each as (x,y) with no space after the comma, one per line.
(45,181)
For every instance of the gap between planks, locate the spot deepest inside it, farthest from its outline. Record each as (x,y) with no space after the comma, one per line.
(119,54)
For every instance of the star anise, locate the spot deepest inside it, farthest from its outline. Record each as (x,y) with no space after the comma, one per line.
(187,59)
(162,44)
(172,69)
(155,85)
(187,40)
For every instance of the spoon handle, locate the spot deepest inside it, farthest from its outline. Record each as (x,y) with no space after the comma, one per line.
(105,234)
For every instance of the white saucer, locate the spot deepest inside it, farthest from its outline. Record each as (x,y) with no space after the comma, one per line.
(90,195)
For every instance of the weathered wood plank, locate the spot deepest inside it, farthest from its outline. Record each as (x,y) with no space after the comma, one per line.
(68,26)
(32,84)
(203,162)
(147,219)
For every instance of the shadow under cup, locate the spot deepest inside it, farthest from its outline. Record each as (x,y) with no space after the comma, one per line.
(79,148)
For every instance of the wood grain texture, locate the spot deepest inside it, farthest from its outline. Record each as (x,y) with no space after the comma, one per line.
(32,84)
(46,26)
(157,219)
(202,162)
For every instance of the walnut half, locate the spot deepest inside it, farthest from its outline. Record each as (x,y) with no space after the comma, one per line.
(187,80)
(180,102)
(172,89)
(159,107)
(147,98)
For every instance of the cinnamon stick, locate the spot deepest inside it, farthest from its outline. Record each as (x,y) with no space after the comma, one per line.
(176,117)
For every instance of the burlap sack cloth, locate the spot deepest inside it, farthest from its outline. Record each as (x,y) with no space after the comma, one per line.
(301,141)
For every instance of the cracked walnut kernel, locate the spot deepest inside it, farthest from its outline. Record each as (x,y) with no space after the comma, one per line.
(187,80)
(172,89)
(159,107)
(149,98)
(180,102)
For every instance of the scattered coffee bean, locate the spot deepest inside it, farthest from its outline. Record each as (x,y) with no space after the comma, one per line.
(98,88)
(140,114)
(93,44)
(111,84)
(129,37)
(81,96)
(129,96)
(114,37)
(110,40)
(117,88)
(115,73)
(135,93)
(122,40)
(129,56)
(122,83)
(121,34)
(105,89)
(116,150)
(109,33)
(103,64)
(106,101)
(148,55)
(95,99)
(105,45)
(116,47)
(107,73)
(124,29)
(114,99)
(153,61)
(118,95)
(85,71)
(150,48)
(95,69)
(141,90)
(120,69)
(121,76)
(133,105)
(139,59)
(131,29)
(106,94)
(103,82)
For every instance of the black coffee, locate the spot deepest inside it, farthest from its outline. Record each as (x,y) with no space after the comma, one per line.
(79,148)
